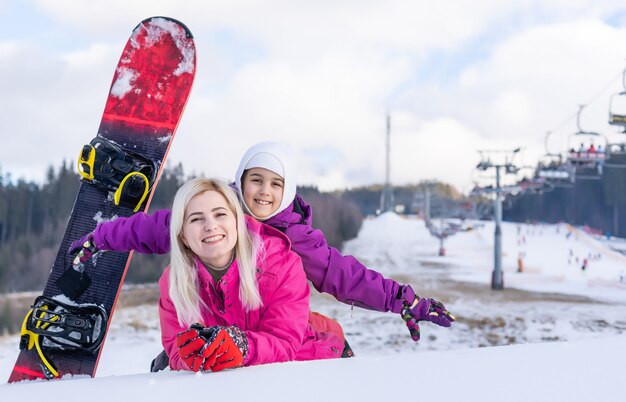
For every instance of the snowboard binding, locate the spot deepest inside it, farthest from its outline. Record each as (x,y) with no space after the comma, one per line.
(52,324)
(127,174)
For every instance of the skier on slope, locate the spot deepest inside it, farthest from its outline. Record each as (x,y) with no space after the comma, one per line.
(266,184)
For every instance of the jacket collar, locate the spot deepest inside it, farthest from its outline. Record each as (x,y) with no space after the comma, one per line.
(205,277)
(296,213)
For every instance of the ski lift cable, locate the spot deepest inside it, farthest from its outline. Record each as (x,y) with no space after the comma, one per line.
(593,99)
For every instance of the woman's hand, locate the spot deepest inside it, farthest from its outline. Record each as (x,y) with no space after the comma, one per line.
(212,348)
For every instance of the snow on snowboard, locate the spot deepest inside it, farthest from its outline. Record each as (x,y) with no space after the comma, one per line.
(65,329)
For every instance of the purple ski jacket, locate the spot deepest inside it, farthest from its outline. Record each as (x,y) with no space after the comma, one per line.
(341,276)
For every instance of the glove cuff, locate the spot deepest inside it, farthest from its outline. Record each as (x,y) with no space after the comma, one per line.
(405,292)
(97,241)
(240,339)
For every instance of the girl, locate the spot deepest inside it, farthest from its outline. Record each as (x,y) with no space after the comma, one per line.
(266,184)
(240,280)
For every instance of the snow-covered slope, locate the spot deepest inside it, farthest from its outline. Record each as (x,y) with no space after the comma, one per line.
(552,255)
(555,333)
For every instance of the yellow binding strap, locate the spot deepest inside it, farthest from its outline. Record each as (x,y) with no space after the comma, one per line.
(34,340)
(118,194)
(86,159)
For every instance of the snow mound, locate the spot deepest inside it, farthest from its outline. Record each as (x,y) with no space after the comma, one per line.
(532,372)
(389,216)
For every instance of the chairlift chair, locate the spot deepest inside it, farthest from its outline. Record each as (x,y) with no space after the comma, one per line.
(616,154)
(616,149)
(535,185)
(617,106)
(588,157)
(587,164)
(618,102)
(551,168)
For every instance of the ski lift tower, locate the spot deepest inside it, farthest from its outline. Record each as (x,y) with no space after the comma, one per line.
(386,199)
(497,277)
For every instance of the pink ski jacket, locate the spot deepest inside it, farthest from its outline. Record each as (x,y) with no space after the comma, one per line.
(280,330)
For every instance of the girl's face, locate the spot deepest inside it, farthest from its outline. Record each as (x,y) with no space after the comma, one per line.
(210,228)
(262,191)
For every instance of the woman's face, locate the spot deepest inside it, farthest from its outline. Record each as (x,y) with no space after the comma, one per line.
(210,228)
(262,191)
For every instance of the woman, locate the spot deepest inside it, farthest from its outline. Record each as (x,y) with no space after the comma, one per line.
(266,184)
(234,293)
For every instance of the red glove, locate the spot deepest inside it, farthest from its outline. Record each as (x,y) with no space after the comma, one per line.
(212,348)
(189,344)
(232,351)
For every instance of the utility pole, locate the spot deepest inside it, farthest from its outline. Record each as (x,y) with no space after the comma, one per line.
(386,199)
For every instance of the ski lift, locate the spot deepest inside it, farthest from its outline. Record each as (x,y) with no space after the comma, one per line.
(535,185)
(553,169)
(477,191)
(616,149)
(616,156)
(617,106)
(586,159)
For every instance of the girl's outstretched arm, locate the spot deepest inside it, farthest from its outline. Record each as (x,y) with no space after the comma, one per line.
(343,276)
(146,234)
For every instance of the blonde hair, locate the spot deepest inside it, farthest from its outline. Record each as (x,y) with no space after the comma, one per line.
(183,275)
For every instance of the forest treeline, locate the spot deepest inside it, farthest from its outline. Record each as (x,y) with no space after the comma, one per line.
(409,197)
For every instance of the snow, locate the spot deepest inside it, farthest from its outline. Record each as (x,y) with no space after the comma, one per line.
(541,372)
(99,217)
(553,256)
(65,300)
(157,28)
(124,82)
(554,333)
(165,139)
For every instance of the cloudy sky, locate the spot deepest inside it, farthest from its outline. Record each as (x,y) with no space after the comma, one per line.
(455,76)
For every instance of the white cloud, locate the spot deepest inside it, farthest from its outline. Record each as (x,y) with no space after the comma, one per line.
(442,149)
(322,76)
(287,26)
(51,104)
(93,56)
(531,82)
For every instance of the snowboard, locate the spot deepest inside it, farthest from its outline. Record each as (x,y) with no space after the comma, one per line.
(64,333)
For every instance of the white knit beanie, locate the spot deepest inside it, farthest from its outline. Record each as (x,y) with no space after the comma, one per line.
(276,157)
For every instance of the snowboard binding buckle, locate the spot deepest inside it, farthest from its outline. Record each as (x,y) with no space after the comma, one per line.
(58,325)
(127,174)
(30,340)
